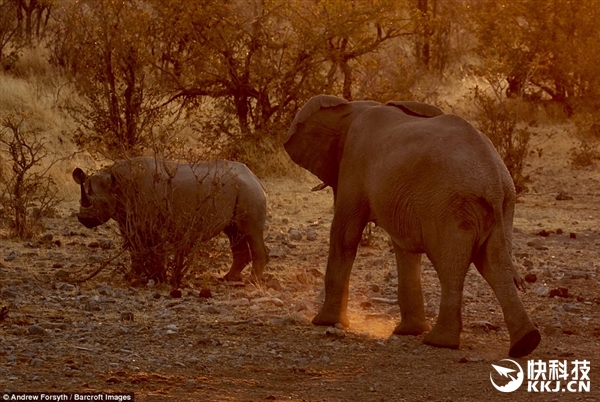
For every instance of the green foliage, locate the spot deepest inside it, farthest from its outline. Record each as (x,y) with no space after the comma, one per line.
(28,192)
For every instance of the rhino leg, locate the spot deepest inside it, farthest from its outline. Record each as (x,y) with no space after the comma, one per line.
(240,251)
(260,256)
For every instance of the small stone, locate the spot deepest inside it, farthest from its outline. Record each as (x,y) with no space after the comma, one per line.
(580,275)
(384,300)
(126,316)
(559,292)
(374,288)
(541,290)
(9,293)
(277,302)
(175,293)
(105,290)
(537,244)
(94,244)
(36,329)
(484,326)
(156,296)
(151,283)
(573,235)
(528,264)
(190,383)
(205,294)
(210,309)
(571,308)
(302,306)
(531,278)
(239,302)
(274,284)
(325,359)
(335,333)
(311,235)
(559,231)
(544,233)
(46,238)
(277,253)
(295,234)
(10,256)
(173,327)
(106,244)
(36,362)
(563,197)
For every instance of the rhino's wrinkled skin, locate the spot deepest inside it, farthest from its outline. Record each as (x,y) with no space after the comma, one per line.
(199,200)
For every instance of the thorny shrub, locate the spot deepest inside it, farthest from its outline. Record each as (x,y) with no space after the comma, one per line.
(497,118)
(28,193)
(588,134)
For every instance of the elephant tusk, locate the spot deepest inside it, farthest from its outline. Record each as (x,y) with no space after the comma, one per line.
(319,187)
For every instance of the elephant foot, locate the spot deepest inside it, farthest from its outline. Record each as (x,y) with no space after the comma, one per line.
(407,327)
(525,344)
(326,318)
(229,277)
(442,339)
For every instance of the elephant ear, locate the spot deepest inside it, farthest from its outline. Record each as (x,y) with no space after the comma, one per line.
(316,137)
(417,109)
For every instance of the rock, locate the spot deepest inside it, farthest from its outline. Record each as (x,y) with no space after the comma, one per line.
(559,231)
(316,273)
(9,293)
(541,290)
(374,288)
(205,294)
(537,244)
(36,329)
(277,253)
(563,197)
(274,284)
(175,293)
(46,238)
(580,275)
(210,309)
(94,244)
(105,290)
(528,264)
(571,308)
(573,235)
(530,278)
(277,302)
(559,292)
(151,283)
(126,316)
(484,326)
(335,333)
(173,327)
(366,304)
(544,233)
(238,302)
(311,235)
(302,306)
(10,256)
(295,234)
(106,244)
(36,362)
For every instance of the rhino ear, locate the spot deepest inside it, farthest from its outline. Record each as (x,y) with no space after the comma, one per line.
(316,136)
(417,109)
(79,176)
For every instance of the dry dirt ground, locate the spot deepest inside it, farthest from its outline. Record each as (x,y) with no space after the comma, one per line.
(247,343)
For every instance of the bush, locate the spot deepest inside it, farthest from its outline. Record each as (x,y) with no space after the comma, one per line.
(496,117)
(28,192)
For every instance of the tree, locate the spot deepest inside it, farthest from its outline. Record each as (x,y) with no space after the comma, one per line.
(105,45)
(542,47)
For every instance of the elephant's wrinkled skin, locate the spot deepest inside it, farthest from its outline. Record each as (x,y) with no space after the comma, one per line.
(436,185)
(199,200)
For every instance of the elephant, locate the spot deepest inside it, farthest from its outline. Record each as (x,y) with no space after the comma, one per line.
(148,197)
(436,185)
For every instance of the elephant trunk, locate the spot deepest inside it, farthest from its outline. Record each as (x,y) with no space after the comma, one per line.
(85,201)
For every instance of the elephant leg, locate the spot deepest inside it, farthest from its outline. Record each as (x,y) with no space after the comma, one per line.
(345,236)
(451,266)
(240,250)
(495,265)
(410,293)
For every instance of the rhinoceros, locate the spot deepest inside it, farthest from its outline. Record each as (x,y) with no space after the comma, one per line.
(148,197)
